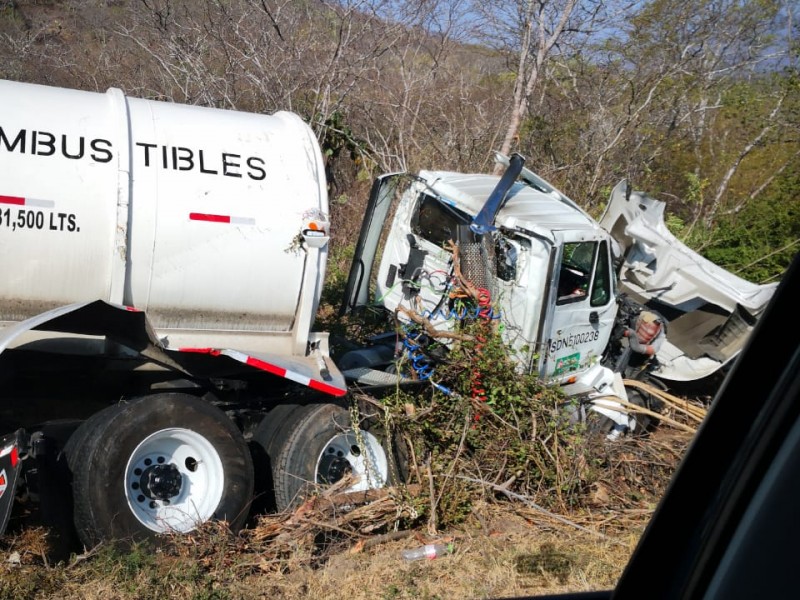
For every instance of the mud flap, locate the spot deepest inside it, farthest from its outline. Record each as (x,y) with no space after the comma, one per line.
(9,472)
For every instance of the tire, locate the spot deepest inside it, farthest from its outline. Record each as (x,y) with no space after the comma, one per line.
(264,445)
(578,414)
(645,423)
(320,447)
(157,464)
(598,424)
(270,431)
(603,425)
(638,424)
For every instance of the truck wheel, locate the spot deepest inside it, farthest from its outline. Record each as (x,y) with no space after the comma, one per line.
(321,447)
(597,424)
(266,440)
(158,464)
(645,423)
(268,434)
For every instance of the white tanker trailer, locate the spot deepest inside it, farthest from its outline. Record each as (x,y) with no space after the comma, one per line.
(213,224)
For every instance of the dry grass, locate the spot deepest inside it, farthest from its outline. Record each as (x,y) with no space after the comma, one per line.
(332,547)
(501,551)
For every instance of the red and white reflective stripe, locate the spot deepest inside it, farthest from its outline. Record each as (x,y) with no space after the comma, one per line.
(12,450)
(314,384)
(222,219)
(20,201)
(211,351)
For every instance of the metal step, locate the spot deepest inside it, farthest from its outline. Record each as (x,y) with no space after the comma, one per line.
(366,376)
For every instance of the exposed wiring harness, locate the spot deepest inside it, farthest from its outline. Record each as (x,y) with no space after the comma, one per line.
(414,344)
(462,312)
(465,302)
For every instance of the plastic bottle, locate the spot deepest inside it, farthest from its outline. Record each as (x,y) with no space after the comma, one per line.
(429,551)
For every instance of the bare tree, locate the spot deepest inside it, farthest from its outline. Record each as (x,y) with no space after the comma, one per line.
(412,112)
(659,89)
(527,32)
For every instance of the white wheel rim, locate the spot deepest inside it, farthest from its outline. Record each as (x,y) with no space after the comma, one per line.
(366,462)
(194,476)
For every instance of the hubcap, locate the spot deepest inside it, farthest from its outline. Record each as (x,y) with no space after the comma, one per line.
(343,455)
(174,480)
(160,482)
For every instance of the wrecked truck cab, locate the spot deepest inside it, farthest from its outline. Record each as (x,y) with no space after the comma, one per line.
(544,264)
(710,311)
(562,284)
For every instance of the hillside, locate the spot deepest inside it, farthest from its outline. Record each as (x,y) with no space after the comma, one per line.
(699,113)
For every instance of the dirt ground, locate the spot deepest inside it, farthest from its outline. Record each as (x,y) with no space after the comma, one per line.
(501,551)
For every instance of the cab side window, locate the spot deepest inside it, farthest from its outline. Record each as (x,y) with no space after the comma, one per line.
(585,272)
(601,287)
(575,272)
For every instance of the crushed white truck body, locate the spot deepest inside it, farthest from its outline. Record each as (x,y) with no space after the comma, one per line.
(710,310)
(553,273)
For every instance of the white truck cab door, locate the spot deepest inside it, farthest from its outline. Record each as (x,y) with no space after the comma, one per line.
(582,308)
(416,263)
